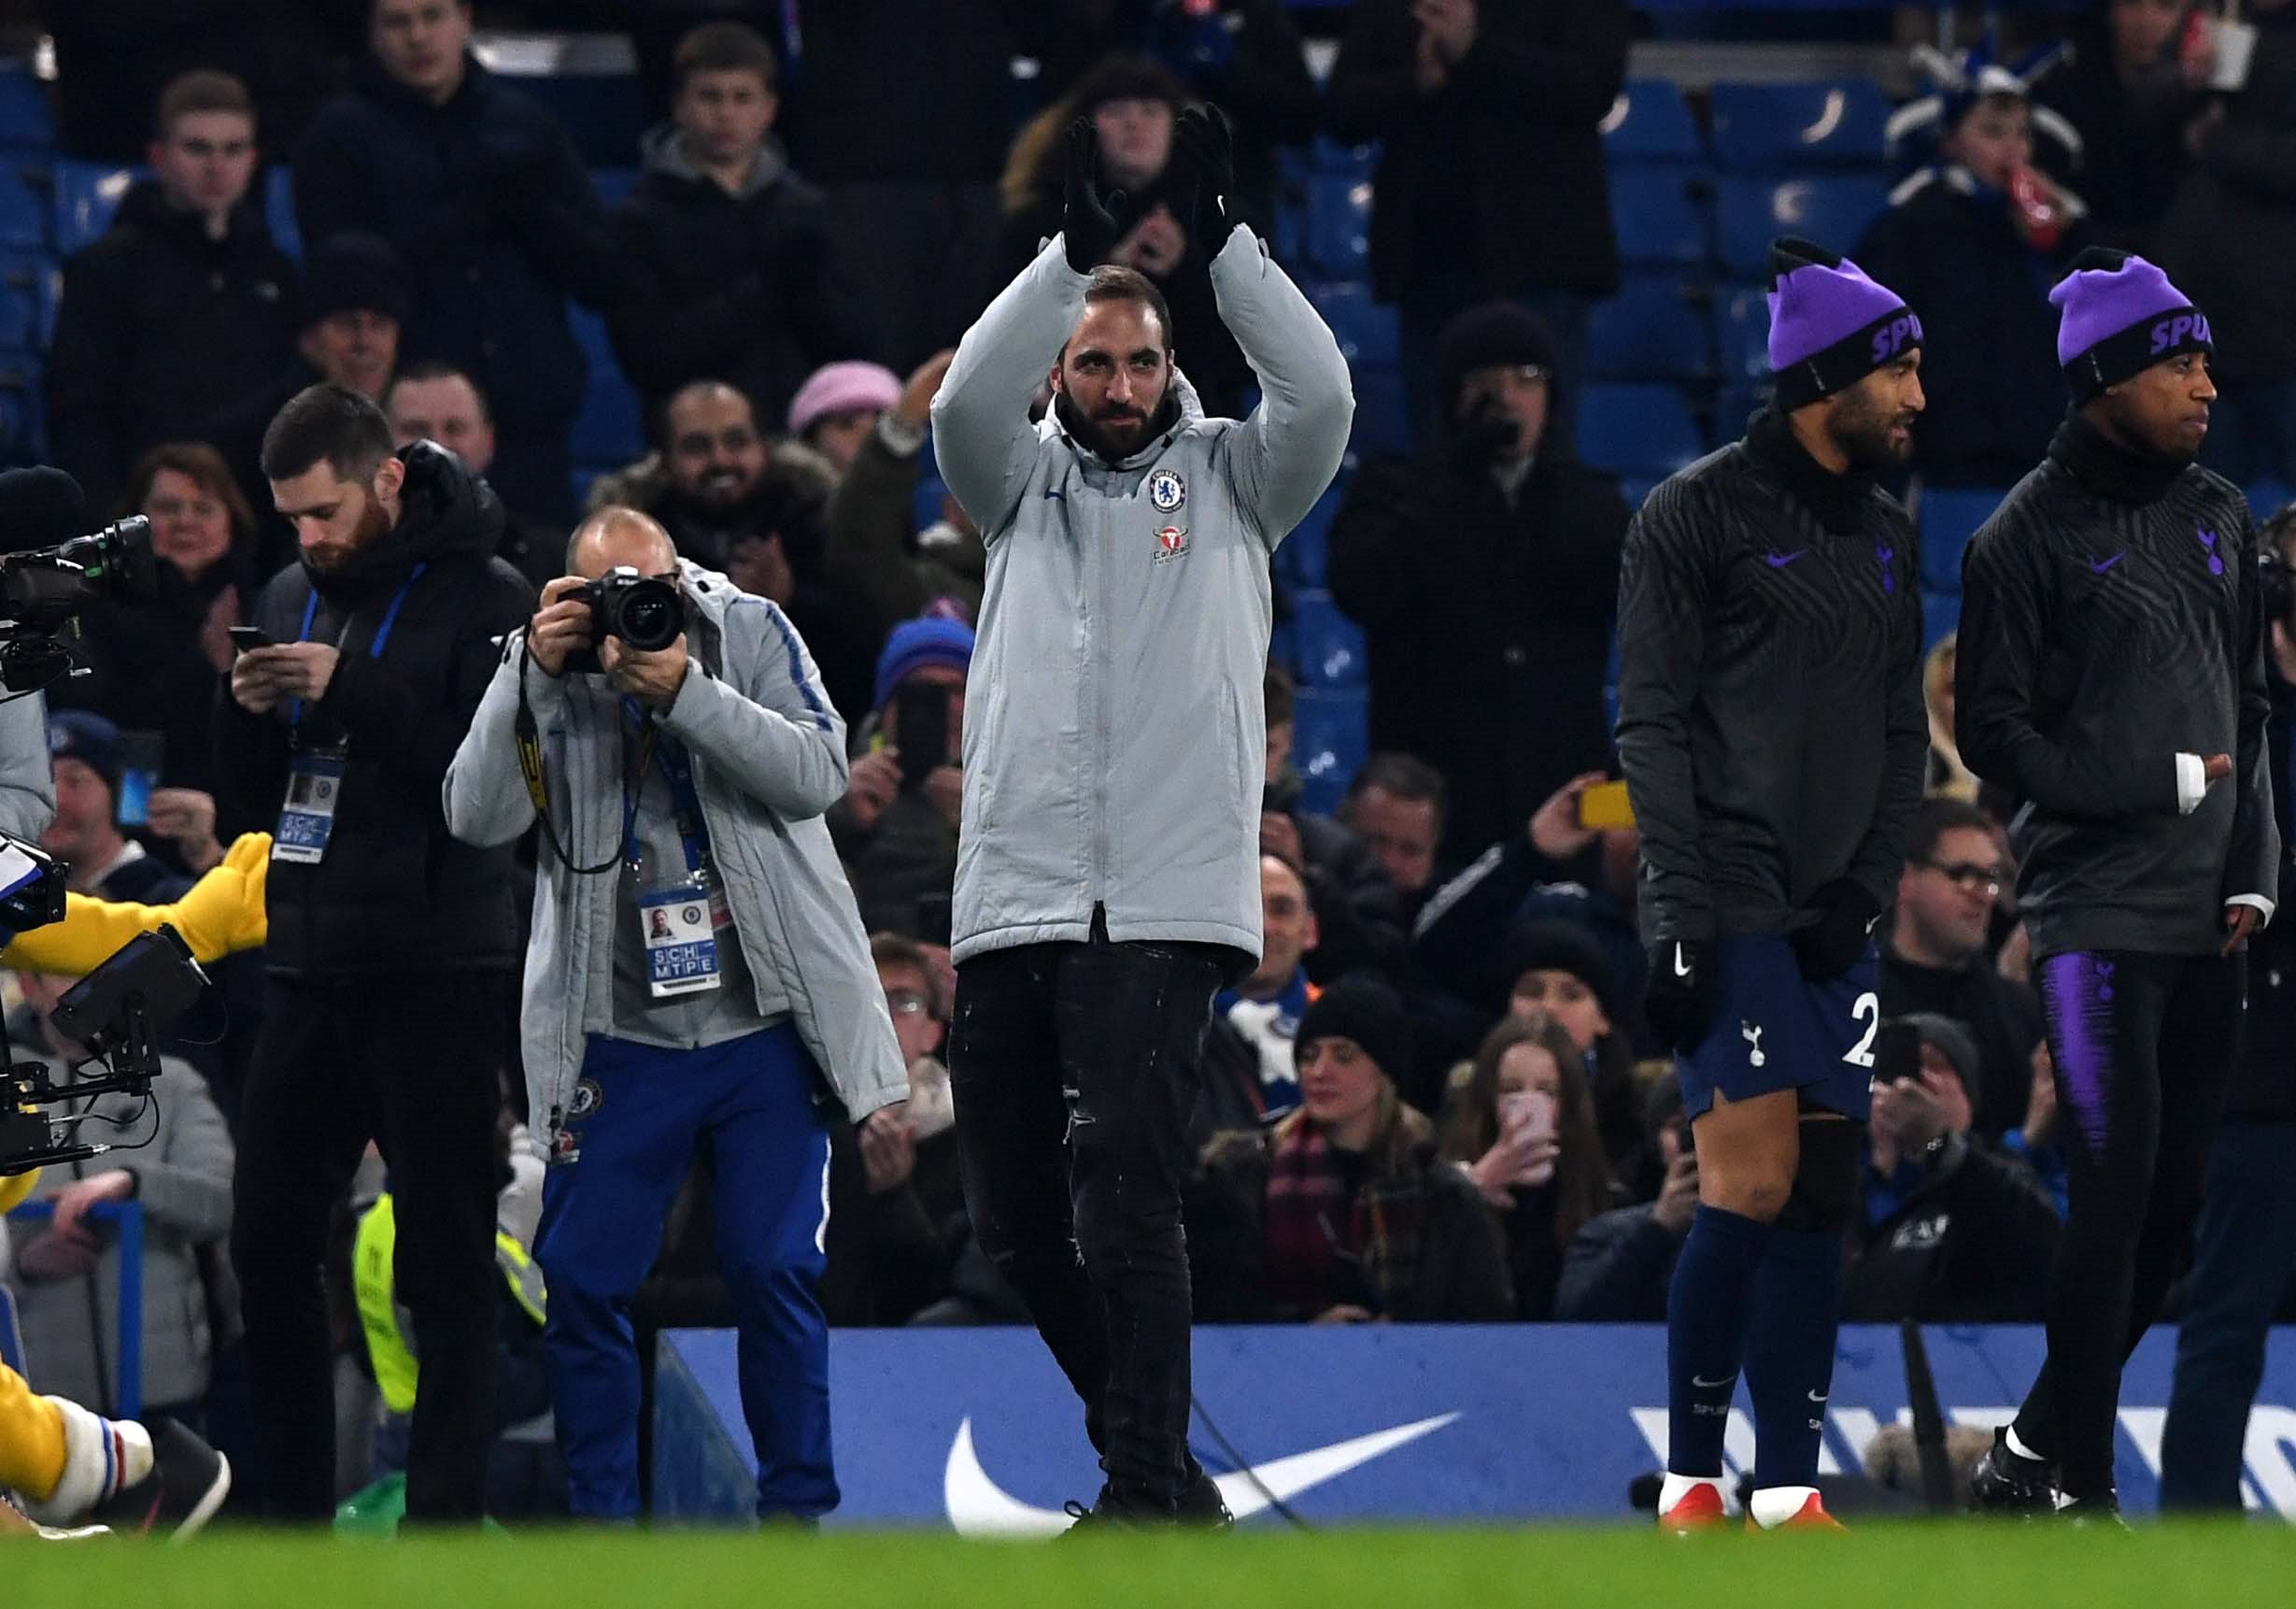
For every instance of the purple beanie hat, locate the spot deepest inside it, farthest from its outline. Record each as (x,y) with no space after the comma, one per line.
(1830,325)
(2121,316)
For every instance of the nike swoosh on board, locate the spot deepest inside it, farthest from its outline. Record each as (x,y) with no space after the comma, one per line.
(978,1506)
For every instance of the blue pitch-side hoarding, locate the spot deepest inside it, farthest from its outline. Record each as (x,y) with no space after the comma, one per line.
(977,1430)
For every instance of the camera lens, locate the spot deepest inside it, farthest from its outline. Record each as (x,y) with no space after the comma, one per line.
(651,617)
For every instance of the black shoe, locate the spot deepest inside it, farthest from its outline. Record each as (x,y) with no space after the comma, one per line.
(1202,1507)
(1199,1508)
(188,1482)
(2005,1482)
(2099,1513)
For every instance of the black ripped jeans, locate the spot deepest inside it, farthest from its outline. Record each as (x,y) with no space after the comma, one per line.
(1073,1067)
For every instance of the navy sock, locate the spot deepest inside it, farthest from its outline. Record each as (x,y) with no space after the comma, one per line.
(1707,1307)
(1790,1353)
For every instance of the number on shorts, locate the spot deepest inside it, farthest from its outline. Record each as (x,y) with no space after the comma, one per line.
(1868,1011)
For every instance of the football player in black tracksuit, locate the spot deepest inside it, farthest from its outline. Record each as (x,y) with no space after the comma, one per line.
(2111,675)
(1772,732)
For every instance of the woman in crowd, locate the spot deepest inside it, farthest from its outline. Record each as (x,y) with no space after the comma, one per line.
(1347,1211)
(1559,974)
(1524,1127)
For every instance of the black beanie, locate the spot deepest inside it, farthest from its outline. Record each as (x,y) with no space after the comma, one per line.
(1361,1006)
(1488,335)
(1554,946)
(350,273)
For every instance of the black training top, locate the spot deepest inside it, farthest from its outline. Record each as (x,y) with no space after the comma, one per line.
(2112,620)
(1770,715)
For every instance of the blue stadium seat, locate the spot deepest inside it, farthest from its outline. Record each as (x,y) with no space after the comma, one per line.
(1739,402)
(1650,122)
(1340,224)
(1368,331)
(88,196)
(1941,616)
(613,184)
(1328,155)
(1301,558)
(608,428)
(1330,742)
(279,209)
(1382,422)
(1627,429)
(1948,518)
(27,304)
(1742,333)
(23,209)
(2266,498)
(1659,221)
(1768,128)
(1281,650)
(26,123)
(1331,646)
(1648,331)
(1834,212)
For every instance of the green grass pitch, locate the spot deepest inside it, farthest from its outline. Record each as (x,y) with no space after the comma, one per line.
(1964,1565)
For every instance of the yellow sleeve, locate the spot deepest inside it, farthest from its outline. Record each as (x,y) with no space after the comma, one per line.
(220,915)
(16,1188)
(90,932)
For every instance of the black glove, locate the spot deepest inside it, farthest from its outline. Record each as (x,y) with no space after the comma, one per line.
(1204,169)
(1091,219)
(1677,1002)
(1831,946)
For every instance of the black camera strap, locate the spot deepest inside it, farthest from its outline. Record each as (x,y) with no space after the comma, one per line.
(530,768)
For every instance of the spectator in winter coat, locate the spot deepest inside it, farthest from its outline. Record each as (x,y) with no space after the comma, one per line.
(67,1275)
(2124,90)
(102,860)
(1346,1212)
(1524,1127)
(875,561)
(1490,179)
(727,250)
(1965,254)
(1133,105)
(183,308)
(895,827)
(154,664)
(1246,54)
(2228,240)
(1397,804)
(736,502)
(1485,575)
(482,195)
(1949,1233)
(1619,1266)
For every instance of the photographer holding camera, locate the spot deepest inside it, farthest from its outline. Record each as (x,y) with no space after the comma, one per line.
(671,734)
(386,1009)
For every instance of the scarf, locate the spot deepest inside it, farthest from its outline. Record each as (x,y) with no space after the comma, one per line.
(1324,1245)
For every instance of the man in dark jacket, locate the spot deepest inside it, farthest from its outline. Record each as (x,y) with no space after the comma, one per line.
(2123,91)
(1485,575)
(2111,673)
(2245,1267)
(1935,959)
(1618,1267)
(1956,239)
(1950,1233)
(483,197)
(2229,239)
(393,945)
(1491,182)
(183,308)
(727,250)
(1773,736)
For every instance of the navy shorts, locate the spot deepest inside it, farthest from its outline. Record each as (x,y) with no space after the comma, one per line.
(1774,1030)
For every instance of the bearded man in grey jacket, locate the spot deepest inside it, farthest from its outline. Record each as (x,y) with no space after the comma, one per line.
(1107,877)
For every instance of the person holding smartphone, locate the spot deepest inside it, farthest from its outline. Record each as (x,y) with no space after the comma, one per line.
(1773,735)
(895,827)
(1524,1128)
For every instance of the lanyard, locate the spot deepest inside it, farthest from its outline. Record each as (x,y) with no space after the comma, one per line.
(677,771)
(382,633)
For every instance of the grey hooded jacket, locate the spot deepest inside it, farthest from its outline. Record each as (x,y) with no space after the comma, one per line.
(769,757)
(1115,743)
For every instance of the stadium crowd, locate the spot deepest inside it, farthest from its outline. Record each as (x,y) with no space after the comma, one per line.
(1435,1098)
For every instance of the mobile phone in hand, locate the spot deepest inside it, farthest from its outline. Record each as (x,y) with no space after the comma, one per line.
(141,756)
(1605,808)
(920,731)
(246,637)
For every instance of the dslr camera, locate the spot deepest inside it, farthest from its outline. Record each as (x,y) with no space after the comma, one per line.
(645,612)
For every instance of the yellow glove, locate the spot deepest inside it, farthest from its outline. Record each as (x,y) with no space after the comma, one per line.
(220,915)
